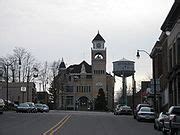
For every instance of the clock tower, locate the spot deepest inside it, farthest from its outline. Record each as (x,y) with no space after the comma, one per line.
(98,60)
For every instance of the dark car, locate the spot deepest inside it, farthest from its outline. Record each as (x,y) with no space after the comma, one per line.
(39,107)
(33,108)
(45,108)
(158,123)
(138,107)
(1,105)
(9,105)
(116,110)
(42,107)
(146,113)
(125,110)
(23,107)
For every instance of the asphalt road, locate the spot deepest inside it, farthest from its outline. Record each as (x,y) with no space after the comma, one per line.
(72,123)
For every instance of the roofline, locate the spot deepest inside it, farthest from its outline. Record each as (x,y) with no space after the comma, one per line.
(170,14)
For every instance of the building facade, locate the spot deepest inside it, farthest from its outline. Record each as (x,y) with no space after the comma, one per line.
(18,92)
(166,57)
(78,85)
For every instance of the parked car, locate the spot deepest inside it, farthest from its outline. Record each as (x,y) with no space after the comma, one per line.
(42,107)
(1,106)
(33,108)
(125,110)
(171,122)
(158,122)
(146,113)
(138,107)
(9,105)
(23,107)
(39,107)
(116,110)
(45,108)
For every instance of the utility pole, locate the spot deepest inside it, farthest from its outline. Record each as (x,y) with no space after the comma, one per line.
(19,70)
(28,76)
(134,89)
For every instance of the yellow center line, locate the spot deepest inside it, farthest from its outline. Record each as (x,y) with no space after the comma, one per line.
(55,130)
(57,125)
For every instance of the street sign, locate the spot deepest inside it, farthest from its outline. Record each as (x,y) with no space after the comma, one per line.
(23,89)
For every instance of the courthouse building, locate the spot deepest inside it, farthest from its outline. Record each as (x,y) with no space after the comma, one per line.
(78,85)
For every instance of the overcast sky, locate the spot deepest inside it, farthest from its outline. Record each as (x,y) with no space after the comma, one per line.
(52,29)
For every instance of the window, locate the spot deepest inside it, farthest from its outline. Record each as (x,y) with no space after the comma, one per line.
(174,54)
(99,72)
(178,51)
(170,59)
(69,100)
(98,56)
(83,89)
(69,78)
(178,90)
(69,88)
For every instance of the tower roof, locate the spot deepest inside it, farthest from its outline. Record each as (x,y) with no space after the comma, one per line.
(98,37)
(62,64)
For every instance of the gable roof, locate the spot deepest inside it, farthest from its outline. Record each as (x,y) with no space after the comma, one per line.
(62,65)
(98,37)
(77,68)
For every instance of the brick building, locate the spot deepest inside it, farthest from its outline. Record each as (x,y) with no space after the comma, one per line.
(18,92)
(166,57)
(78,85)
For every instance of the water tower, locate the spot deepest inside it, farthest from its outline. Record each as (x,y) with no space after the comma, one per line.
(124,68)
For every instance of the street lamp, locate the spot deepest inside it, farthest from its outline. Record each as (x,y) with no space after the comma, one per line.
(35,75)
(19,70)
(7,78)
(154,80)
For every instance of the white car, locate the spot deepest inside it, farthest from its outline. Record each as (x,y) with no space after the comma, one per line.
(1,105)
(146,113)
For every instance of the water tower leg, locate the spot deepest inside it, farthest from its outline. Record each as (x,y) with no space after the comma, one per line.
(124,94)
(133,92)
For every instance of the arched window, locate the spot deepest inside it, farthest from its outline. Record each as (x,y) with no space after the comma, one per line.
(98,56)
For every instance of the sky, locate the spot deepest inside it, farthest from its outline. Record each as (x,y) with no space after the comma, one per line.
(52,29)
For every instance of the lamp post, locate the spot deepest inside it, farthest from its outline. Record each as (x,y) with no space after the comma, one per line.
(19,70)
(154,77)
(35,75)
(7,78)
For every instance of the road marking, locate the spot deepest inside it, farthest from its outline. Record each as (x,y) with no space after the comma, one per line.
(55,130)
(57,126)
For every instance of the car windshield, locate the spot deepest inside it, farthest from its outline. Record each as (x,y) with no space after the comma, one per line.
(146,109)
(126,107)
(45,105)
(176,111)
(30,104)
(38,105)
(23,105)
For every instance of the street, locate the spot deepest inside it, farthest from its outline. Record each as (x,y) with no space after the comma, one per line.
(72,123)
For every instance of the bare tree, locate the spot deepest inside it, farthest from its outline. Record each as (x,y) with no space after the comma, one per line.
(22,65)
(20,54)
(44,74)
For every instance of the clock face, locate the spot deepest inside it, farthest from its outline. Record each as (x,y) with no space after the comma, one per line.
(98,45)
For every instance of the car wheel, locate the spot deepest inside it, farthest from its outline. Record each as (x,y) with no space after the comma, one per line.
(158,127)
(164,131)
(173,131)
(155,127)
